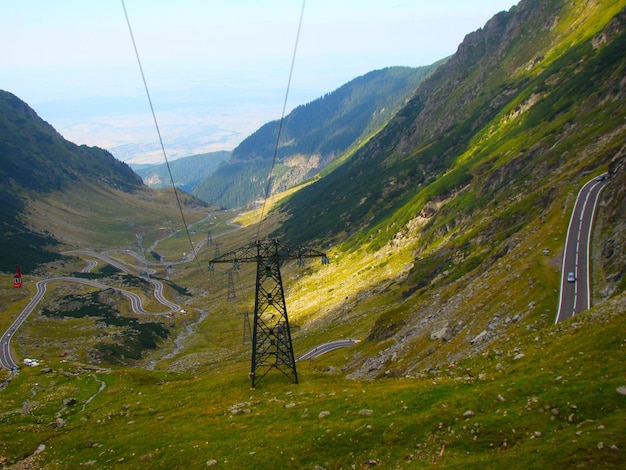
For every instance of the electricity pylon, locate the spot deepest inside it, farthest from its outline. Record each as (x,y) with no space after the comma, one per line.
(232,274)
(246,327)
(271,336)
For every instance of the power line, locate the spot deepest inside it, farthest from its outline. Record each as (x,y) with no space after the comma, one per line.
(280,126)
(156,124)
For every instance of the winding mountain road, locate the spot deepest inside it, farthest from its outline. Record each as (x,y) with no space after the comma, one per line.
(6,359)
(575,295)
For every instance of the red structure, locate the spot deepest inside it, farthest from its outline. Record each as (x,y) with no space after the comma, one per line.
(17,279)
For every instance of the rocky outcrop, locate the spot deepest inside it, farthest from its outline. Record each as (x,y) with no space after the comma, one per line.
(613,245)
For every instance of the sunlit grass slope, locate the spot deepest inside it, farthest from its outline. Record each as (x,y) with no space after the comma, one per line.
(546,401)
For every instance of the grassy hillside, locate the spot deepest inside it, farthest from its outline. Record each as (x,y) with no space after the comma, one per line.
(547,400)
(485,127)
(35,160)
(445,233)
(108,218)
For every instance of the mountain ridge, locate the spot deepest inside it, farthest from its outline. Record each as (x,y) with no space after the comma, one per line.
(186,171)
(417,147)
(36,160)
(28,164)
(312,136)
(451,189)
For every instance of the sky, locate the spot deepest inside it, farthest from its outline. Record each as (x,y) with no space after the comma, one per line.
(216,70)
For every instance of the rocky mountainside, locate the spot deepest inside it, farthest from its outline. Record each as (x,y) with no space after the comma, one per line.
(312,136)
(506,110)
(473,182)
(612,243)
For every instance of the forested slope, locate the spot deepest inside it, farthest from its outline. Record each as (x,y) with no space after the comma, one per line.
(312,136)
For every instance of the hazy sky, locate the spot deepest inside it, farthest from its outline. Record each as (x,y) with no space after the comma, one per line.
(216,69)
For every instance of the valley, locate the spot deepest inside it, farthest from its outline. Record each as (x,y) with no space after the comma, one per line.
(450,226)
(498,403)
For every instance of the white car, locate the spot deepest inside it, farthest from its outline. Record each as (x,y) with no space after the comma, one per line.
(571,277)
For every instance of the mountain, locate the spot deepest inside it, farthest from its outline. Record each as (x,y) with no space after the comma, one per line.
(473,181)
(36,157)
(507,112)
(445,232)
(186,171)
(36,160)
(312,136)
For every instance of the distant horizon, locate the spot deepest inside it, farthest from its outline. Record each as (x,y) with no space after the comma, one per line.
(216,71)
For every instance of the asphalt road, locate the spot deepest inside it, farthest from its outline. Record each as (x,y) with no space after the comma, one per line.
(326,348)
(575,296)
(6,359)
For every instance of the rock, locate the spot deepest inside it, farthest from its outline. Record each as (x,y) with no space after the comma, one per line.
(440,332)
(211,463)
(480,337)
(366,412)
(69,401)
(600,445)
(469,414)
(501,398)
(323,414)
(518,357)
(621,390)
(290,405)
(58,423)
(587,421)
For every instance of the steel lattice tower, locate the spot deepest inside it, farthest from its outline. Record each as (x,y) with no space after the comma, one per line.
(271,336)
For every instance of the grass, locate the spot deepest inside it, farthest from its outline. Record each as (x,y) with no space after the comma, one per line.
(110,224)
(531,395)
(552,407)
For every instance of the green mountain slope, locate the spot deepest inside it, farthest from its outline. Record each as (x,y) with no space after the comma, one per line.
(187,171)
(312,136)
(445,232)
(453,215)
(35,160)
(508,110)
(35,156)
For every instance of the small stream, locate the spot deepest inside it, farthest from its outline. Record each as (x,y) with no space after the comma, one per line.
(178,341)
